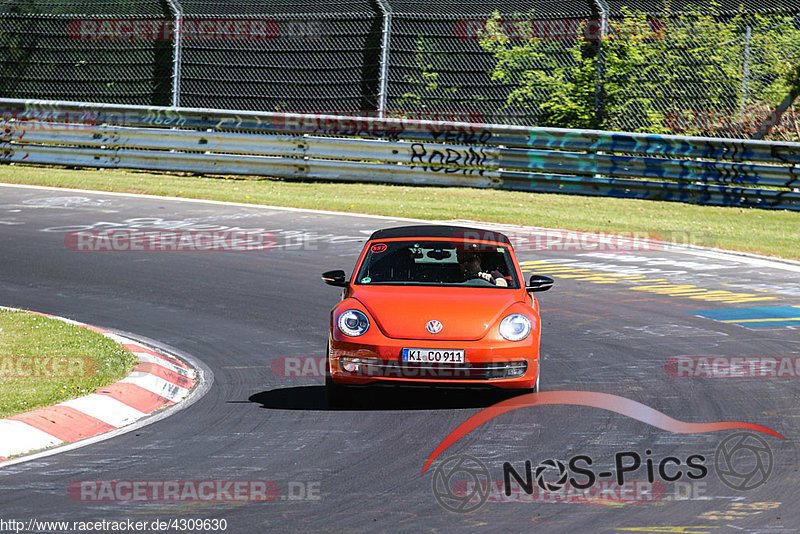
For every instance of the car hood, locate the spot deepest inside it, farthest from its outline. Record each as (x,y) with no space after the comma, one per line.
(402,312)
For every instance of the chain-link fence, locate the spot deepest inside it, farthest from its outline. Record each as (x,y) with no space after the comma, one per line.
(438,64)
(728,68)
(280,56)
(52,49)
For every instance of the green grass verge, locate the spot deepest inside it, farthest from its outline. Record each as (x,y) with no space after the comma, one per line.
(769,232)
(45,361)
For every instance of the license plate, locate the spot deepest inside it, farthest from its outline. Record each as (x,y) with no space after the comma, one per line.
(434,355)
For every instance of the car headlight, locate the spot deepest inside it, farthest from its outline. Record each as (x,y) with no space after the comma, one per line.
(515,327)
(353,323)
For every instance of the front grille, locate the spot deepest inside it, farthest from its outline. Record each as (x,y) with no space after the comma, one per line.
(431,371)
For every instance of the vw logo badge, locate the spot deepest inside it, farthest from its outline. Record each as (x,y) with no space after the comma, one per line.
(434,326)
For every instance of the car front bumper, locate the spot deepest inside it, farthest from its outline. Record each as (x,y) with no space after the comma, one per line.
(508,365)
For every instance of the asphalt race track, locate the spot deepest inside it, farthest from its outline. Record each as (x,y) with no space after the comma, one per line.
(360,469)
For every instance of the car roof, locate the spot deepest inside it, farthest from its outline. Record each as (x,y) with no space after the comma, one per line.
(455,232)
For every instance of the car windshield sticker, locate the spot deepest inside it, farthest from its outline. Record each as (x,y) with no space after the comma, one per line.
(366,280)
(377,248)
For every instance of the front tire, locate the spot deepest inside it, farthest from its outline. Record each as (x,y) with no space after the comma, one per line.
(337,395)
(535,388)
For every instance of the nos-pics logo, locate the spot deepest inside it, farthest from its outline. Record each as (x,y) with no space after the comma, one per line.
(451,473)
(462,483)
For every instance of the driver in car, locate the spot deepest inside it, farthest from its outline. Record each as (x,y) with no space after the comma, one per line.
(470,265)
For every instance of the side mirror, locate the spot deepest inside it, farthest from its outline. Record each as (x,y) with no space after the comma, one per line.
(539,282)
(334,278)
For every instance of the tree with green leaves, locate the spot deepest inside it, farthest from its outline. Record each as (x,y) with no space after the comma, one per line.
(692,72)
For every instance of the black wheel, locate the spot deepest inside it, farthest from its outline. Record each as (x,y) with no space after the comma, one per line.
(535,388)
(337,395)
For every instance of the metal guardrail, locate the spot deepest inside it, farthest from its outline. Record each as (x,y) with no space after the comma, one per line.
(373,149)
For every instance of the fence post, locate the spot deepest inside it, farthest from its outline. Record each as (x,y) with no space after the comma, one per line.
(178,52)
(601,9)
(745,71)
(383,80)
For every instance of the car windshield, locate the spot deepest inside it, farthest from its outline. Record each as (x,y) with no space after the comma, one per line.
(439,263)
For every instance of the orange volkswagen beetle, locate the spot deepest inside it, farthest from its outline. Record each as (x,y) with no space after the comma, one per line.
(434,305)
